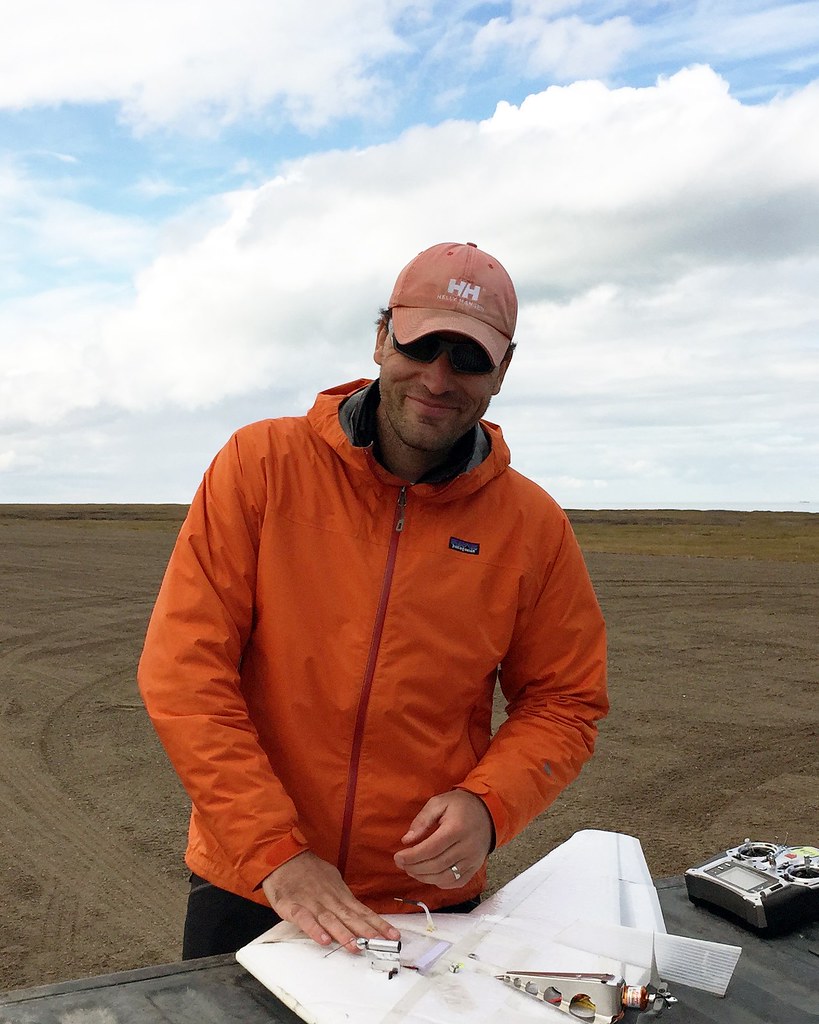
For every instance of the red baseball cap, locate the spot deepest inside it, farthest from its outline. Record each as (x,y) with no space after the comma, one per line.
(456,287)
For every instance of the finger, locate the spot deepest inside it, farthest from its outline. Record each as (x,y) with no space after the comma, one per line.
(445,877)
(306,921)
(432,854)
(327,928)
(438,844)
(340,930)
(360,920)
(431,867)
(465,857)
(424,822)
(371,926)
(311,894)
(342,925)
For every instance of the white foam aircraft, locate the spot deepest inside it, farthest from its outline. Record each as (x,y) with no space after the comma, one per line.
(580,933)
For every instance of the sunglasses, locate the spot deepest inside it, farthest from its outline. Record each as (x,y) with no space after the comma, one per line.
(464,356)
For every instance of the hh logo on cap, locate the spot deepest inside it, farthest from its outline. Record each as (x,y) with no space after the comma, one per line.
(465,289)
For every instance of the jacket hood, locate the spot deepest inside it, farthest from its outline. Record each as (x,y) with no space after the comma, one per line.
(324,419)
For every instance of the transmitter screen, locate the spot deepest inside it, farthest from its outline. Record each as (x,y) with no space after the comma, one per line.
(742,878)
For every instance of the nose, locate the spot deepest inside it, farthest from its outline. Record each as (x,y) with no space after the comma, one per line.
(437,375)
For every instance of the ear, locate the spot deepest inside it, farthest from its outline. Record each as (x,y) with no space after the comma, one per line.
(380,343)
(504,366)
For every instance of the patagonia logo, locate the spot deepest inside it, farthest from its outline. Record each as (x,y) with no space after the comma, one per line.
(466,546)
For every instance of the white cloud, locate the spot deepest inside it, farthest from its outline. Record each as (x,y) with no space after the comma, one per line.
(184,66)
(197,65)
(564,40)
(564,48)
(157,188)
(753,30)
(44,227)
(664,242)
(12,460)
(63,158)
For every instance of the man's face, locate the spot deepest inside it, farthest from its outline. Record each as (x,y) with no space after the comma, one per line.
(426,407)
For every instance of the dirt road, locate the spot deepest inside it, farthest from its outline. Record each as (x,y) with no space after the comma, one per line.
(712,736)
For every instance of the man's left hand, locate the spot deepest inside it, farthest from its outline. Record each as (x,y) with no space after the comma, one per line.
(448,840)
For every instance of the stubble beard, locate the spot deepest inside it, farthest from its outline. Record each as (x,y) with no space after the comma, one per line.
(427,438)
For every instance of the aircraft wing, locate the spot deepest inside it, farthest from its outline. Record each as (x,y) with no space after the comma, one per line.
(589,906)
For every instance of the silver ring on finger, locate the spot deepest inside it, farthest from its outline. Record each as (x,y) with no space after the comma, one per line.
(456,872)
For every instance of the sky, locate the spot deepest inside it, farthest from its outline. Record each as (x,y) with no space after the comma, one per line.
(204,203)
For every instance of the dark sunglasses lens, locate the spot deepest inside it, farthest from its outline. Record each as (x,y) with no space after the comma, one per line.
(466,356)
(424,350)
(470,358)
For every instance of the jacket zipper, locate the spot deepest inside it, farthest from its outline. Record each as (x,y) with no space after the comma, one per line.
(366,687)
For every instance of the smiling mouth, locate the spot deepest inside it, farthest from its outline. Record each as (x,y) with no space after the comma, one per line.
(432,407)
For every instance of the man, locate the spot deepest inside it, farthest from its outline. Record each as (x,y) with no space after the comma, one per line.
(343,596)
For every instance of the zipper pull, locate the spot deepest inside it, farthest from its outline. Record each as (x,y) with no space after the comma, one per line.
(399,512)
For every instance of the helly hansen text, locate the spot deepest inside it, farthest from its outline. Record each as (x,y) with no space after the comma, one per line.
(465,289)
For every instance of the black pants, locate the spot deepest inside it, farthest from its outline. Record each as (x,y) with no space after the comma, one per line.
(218,921)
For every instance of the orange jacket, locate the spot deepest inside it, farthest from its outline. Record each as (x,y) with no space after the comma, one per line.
(324,648)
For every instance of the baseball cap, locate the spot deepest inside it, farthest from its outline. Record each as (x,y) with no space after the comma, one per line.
(456,287)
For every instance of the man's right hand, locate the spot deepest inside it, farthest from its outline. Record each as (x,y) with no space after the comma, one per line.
(311,894)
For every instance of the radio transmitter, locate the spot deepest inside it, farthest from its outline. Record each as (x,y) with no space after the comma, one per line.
(769,887)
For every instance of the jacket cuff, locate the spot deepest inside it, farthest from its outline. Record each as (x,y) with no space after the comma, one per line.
(274,856)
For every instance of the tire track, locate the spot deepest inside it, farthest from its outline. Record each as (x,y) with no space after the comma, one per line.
(83,865)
